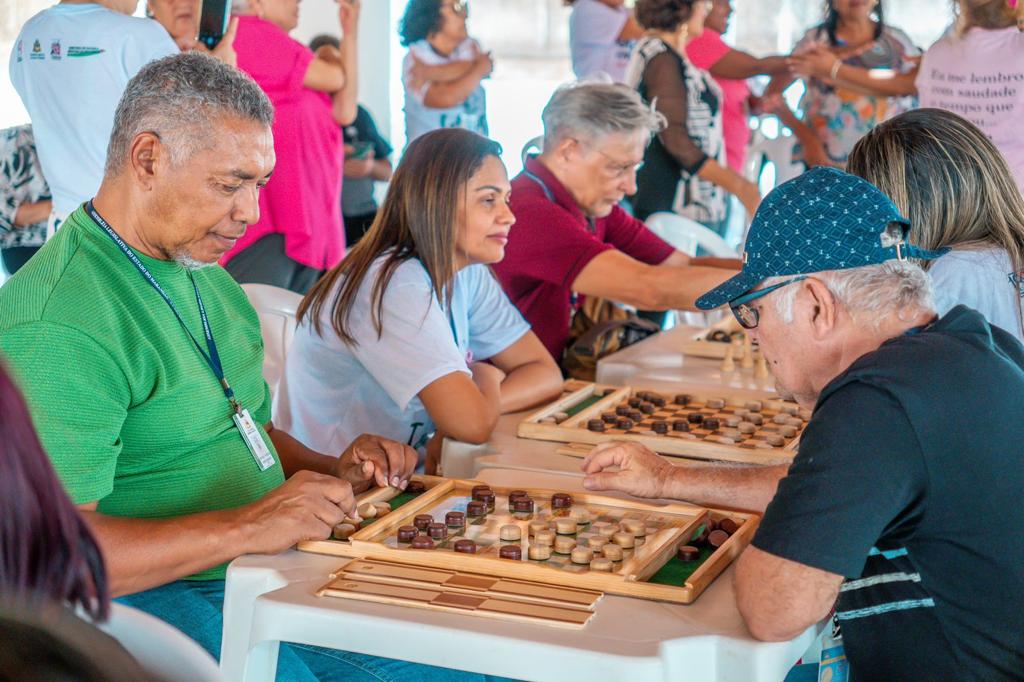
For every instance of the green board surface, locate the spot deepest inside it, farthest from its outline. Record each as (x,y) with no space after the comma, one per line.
(583,404)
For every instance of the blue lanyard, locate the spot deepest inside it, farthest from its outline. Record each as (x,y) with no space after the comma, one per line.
(213,357)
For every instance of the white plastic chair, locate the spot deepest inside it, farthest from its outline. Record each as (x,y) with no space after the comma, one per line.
(531,144)
(778,153)
(276,309)
(160,648)
(686,235)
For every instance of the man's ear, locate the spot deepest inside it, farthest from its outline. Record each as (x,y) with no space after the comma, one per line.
(144,155)
(565,150)
(819,306)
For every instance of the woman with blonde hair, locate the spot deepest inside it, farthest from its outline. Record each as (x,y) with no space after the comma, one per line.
(951,182)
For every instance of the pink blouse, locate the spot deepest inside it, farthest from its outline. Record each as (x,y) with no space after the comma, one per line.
(302,201)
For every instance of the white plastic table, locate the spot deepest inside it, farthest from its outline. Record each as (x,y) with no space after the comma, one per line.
(270,599)
(657,363)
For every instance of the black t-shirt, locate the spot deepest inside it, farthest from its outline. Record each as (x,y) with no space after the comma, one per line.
(357,193)
(908,483)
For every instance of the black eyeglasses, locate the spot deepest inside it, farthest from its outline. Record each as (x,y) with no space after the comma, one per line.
(746,314)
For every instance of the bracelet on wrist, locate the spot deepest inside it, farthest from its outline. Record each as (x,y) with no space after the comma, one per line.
(835,69)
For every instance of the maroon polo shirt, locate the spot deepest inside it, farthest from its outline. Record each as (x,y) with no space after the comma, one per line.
(551,242)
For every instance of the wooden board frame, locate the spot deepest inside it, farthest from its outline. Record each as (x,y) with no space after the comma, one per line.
(573,430)
(366,544)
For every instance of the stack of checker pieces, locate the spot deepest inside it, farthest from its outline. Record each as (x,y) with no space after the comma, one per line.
(688,424)
(440,589)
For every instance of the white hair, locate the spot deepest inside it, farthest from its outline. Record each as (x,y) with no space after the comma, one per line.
(869,293)
(592,110)
(179,98)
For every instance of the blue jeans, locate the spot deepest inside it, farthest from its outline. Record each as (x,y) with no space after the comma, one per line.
(196,608)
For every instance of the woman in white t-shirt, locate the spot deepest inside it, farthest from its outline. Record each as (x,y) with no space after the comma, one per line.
(443,70)
(411,334)
(950,181)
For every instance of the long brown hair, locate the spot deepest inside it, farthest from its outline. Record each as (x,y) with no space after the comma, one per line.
(418,219)
(947,177)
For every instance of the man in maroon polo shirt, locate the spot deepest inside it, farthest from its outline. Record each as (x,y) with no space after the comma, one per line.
(571,237)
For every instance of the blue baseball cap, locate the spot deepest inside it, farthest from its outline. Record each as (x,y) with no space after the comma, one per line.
(825,219)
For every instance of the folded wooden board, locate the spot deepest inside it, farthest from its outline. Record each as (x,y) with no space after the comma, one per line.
(458,592)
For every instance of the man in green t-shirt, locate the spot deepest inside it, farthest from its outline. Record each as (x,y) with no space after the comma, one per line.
(142,359)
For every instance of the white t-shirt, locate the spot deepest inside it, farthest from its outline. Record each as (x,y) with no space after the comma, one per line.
(982,279)
(419,118)
(594,29)
(980,76)
(331,393)
(70,65)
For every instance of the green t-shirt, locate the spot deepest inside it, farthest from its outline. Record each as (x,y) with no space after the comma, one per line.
(129,412)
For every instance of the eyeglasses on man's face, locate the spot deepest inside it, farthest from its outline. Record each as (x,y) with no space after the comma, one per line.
(747,315)
(615,169)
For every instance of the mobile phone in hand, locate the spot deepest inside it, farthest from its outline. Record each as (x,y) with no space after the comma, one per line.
(213,21)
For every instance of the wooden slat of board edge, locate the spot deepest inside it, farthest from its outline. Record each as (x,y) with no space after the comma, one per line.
(489,608)
(502,588)
(600,406)
(574,397)
(694,449)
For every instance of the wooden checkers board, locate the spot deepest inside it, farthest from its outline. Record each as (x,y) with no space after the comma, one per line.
(647,568)
(704,423)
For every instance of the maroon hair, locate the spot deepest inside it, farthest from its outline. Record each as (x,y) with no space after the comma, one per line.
(47,552)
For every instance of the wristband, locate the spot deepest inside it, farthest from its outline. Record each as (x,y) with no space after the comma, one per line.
(835,69)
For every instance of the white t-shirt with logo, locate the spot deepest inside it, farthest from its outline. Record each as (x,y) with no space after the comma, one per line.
(594,29)
(982,279)
(419,118)
(980,76)
(70,65)
(331,393)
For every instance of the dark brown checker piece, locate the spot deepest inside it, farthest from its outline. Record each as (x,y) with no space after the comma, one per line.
(688,553)
(595,425)
(717,538)
(407,533)
(609,417)
(455,519)
(465,546)
(511,552)
(522,505)
(415,487)
(422,542)
(476,509)
(479,489)
(437,531)
(561,501)
(728,525)
(422,521)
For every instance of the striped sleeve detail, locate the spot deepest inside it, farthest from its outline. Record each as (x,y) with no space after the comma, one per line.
(886,608)
(897,577)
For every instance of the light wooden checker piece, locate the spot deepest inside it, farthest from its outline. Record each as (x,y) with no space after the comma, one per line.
(666,526)
(737,436)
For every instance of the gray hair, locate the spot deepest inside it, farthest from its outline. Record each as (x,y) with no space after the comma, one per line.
(869,293)
(178,98)
(591,111)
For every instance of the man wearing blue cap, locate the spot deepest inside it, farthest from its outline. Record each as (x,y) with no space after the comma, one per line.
(901,507)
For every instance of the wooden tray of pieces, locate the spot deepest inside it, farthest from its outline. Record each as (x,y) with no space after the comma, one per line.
(641,572)
(771,442)
(439,589)
(709,342)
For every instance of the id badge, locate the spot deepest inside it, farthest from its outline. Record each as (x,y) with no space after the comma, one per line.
(253,440)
